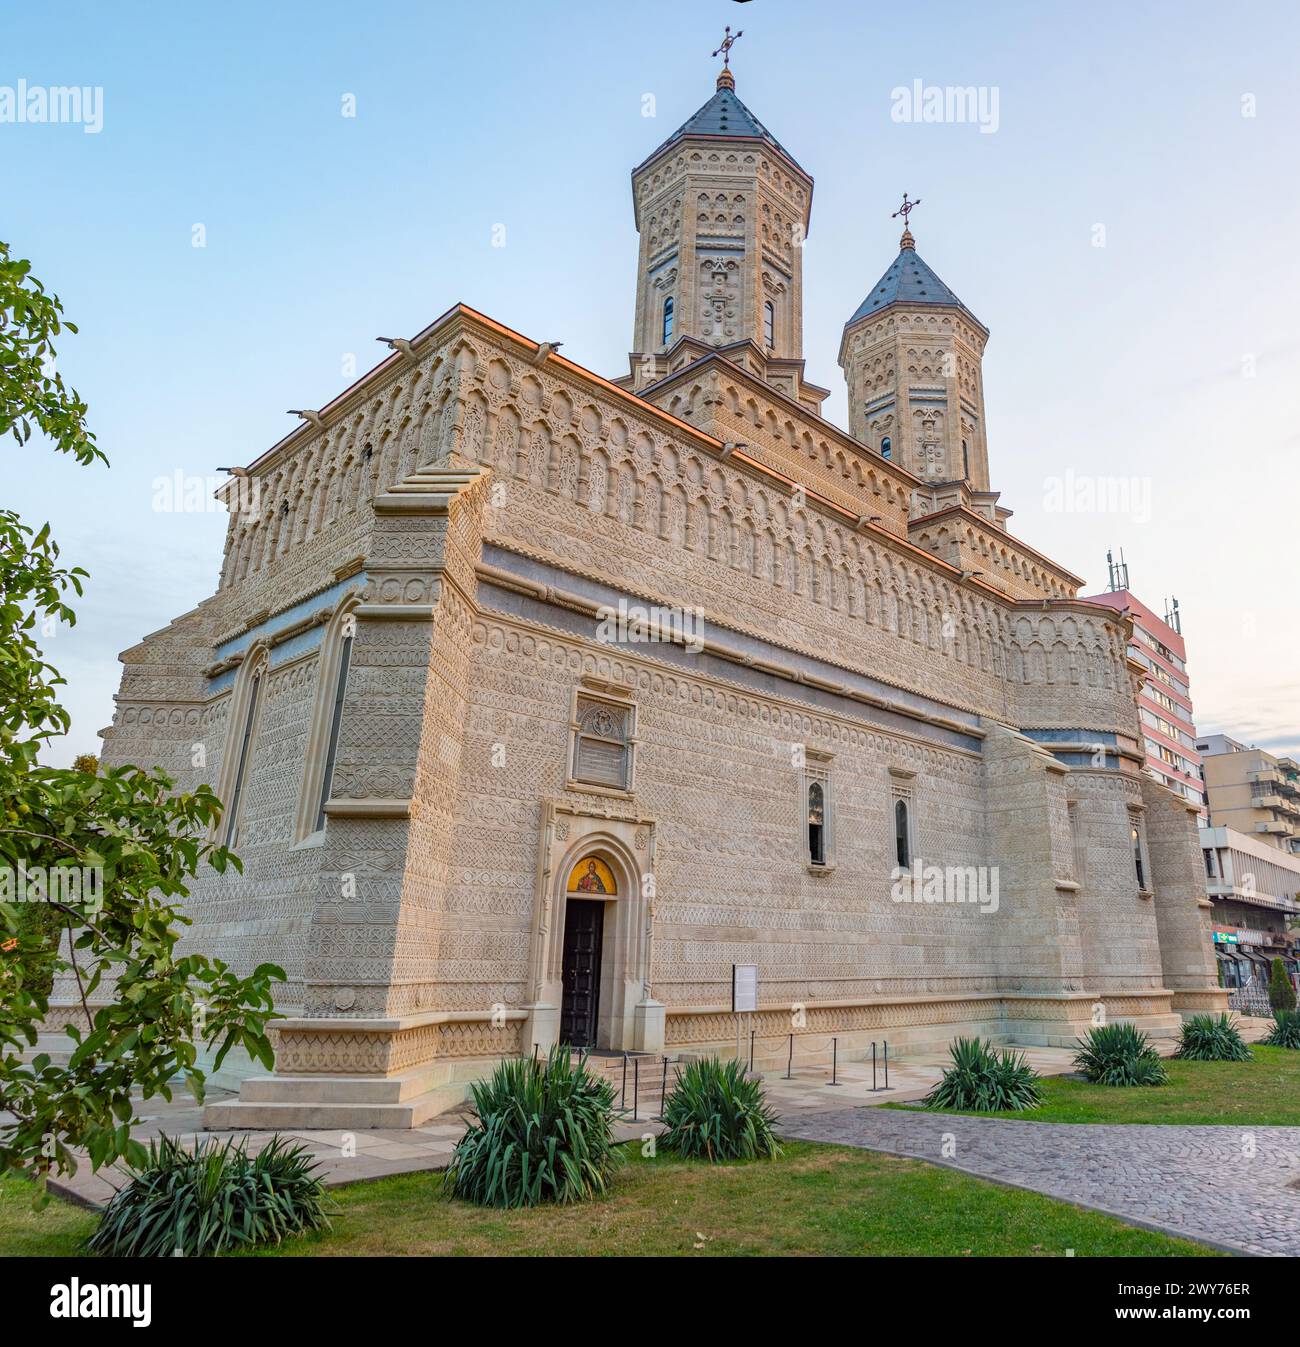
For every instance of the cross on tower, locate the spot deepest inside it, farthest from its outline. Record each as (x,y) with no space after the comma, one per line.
(905,209)
(727,43)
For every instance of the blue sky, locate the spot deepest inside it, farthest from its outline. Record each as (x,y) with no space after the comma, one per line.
(1165,359)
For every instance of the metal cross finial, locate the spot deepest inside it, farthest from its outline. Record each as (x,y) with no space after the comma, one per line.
(727,43)
(905,209)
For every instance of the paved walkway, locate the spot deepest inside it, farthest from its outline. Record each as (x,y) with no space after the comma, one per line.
(344,1157)
(810,1089)
(1227,1186)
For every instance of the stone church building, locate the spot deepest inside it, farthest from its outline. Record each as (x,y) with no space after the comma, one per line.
(539,700)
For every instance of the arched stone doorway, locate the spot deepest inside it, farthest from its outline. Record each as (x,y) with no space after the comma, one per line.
(593,929)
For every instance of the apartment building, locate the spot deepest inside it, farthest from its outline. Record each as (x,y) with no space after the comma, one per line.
(1252,791)
(1164,699)
(1255,892)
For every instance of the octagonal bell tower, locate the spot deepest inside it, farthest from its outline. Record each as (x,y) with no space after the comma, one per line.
(913,358)
(722,209)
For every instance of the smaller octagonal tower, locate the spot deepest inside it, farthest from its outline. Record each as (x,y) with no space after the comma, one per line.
(912,355)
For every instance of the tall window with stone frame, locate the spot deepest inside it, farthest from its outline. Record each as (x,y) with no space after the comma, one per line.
(241,769)
(816,823)
(902,835)
(246,709)
(668,320)
(1141,865)
(886,447)
(817,809)
(900,818)
(769,324)
(324,732)
(336,720)
(602,750)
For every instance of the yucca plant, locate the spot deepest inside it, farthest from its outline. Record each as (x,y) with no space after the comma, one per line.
(1212,1038)
(717,1112)
(1285,1032)
(544,1133)
(983,1080)
(1120,1054)
(212,1199)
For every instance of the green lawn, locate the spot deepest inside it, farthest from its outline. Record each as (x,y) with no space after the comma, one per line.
(1261,1093)
(53,1232)
(814,1200)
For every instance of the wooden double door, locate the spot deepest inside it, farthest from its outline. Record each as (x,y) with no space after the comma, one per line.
(584,922)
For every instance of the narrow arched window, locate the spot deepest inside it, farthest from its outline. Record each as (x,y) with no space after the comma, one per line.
(965,460)
(668,320)
(336,719)
(886,447)
(902,841)
(1137,856)
(245,756)
(816,824)
(769,325)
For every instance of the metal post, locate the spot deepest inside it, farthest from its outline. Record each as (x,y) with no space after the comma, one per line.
(622,1099)
(751,1049)
(873,1066)
(835,1057)
(636,1085)
(534,1052)
(789,1066)
(663,1088)
(886,1064)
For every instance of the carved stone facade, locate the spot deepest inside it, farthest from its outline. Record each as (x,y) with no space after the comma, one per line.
(471,522)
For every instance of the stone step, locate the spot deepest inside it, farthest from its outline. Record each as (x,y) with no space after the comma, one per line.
(57,1047)
(240,1114)
(342,1089)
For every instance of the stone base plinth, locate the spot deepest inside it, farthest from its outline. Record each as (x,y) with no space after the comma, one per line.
(916,1024)
(347,1103)
(1210,1002)
(360,1073)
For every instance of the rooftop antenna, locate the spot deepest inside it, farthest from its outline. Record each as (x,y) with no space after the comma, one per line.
(1118,571)
(1173,618)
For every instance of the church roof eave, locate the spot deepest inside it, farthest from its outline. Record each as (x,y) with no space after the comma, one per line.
(462,312)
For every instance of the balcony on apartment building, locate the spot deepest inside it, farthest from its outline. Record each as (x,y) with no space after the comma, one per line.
(1218,888)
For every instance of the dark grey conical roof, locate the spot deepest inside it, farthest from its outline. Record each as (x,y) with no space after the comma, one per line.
(909,280)
(725,115)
